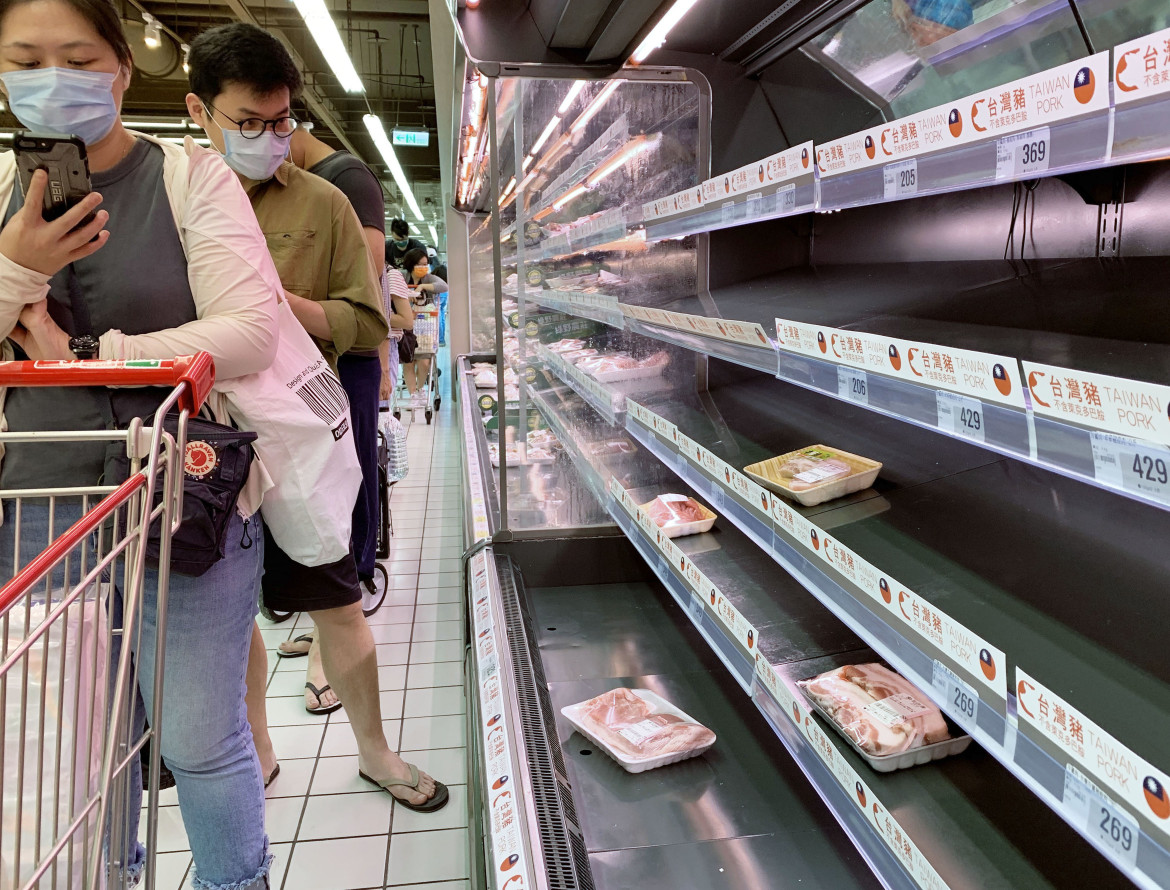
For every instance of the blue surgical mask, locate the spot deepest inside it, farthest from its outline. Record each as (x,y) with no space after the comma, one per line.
(63,101)
(254,158)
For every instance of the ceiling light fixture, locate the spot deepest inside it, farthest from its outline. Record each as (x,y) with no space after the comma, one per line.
(571,195)
(472,4)
(657,36)
(324,31)
(616,161)
(595,106)
(382,143)
(571,97)
(152,36)
(434,236)
(548,131)
(186,58)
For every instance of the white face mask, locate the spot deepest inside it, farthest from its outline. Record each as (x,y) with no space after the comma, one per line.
(63,101)
(256,158)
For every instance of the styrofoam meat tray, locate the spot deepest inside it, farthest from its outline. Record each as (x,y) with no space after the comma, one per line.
(658,705)
(628,374)
(865,473)
(688,528)
(888,763)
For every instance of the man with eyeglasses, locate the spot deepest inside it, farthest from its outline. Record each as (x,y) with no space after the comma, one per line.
(242,83)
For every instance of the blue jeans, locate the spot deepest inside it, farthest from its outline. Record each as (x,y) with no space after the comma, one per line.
(205,737)
(443,317)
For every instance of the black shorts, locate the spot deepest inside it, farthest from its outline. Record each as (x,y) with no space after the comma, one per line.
(291,587)
(406,347)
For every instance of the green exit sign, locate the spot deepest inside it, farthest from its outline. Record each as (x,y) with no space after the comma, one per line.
(420,138)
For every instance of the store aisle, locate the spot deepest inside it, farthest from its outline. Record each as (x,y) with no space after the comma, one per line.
(329,831)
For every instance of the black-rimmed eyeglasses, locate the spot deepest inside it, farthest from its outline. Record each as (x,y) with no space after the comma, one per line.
(254,127)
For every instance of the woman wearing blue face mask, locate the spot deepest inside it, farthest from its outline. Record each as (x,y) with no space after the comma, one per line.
(178,265)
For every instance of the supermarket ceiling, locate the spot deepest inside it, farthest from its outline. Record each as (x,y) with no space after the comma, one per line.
(389,42)
(603,33)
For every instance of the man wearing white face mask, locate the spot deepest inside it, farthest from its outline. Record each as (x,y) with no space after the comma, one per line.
(243,82)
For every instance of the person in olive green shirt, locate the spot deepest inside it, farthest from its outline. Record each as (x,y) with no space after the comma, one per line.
(242,84)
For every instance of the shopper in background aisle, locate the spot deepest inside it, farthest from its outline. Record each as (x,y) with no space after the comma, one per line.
(364,374)
(173,263)
(242,85)
(441,298)
(427,288)
(399,244)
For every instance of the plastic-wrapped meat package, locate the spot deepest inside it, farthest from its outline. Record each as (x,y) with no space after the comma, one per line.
(628,725)
(877,708)
(677,515)
(811,468)
(566,345)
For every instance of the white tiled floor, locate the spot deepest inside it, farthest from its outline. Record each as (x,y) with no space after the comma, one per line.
(328,830)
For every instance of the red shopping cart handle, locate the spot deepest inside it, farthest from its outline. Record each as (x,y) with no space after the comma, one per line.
(195,373)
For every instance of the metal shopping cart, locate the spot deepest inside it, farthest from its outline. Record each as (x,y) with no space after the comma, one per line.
(68,740)
(426,331)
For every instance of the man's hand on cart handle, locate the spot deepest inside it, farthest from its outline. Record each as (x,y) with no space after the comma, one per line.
(39,336)
(48,247)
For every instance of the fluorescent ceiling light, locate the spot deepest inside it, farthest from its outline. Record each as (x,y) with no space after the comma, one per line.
(324,31)
(548,131)
(571,195)
(574,92)
(378,134)
(434,236)
(618,160)
(657,37)
(155,125)
(595,106)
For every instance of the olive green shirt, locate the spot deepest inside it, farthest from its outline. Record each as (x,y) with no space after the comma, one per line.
(321,254)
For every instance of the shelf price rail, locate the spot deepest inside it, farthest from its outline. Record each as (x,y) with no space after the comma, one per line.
(973,690)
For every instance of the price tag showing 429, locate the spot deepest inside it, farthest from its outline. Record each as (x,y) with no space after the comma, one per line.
(961,415)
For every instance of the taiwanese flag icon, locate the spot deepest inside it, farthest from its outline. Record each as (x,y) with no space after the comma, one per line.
(712,596)
(494,720)
(764,500)
(860,794)
(816,541)
(761,172)
(884,586)
(1084,85)
(955,122)
(796,713)
(499,783)
(895,358)
(727,185)
(727,476)
(481,601)
(1002,382)
(1156,797)
(804,159)
(870,149)
(987,663)
(751,639)
(510,863)
(483,633)
(821,342)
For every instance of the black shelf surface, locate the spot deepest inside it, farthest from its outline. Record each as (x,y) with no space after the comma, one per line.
(969,817)
(742,815)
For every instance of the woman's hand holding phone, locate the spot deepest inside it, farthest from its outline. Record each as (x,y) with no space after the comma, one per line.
(48,247)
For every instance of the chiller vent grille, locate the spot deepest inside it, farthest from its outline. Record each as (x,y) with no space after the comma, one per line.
(565,855)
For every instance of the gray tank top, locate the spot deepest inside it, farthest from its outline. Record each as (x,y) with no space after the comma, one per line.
(137,284)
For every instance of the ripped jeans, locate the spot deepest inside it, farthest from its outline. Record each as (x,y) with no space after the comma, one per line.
(205,737)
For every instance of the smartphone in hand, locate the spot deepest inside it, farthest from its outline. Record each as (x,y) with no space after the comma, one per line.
(64,159)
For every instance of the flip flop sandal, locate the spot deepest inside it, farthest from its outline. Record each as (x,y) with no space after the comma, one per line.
(329,709)
(303,638)
(437,802)
(272,776)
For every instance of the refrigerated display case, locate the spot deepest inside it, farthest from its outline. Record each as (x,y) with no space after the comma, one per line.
(707,273)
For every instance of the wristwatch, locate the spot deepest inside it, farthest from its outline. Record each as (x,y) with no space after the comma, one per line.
(84,347)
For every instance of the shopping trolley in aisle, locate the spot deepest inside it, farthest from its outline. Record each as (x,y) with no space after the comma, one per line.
(426,331)
(68,741)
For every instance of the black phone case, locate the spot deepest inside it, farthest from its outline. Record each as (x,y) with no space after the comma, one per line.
(64,159)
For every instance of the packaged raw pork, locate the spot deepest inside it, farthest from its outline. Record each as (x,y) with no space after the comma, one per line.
(882,713)
(678,515)
(639,729)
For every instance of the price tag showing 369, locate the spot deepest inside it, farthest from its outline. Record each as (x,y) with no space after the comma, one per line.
(1023,153)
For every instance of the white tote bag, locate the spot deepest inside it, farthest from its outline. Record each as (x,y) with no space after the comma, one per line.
(300,413)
